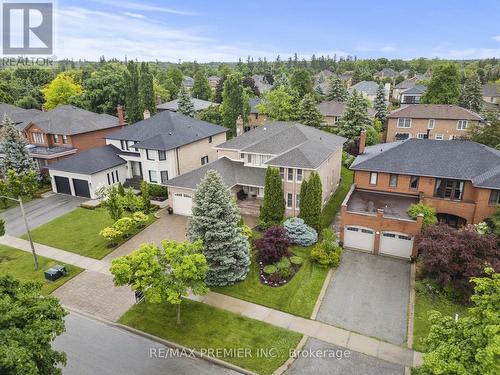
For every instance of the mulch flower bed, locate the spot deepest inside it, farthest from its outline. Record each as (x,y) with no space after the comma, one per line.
(276,279)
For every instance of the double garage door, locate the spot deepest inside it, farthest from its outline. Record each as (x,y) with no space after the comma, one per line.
(391,243)
(80,187)
(183,203)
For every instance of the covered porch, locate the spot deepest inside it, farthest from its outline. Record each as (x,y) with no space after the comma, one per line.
(249,199)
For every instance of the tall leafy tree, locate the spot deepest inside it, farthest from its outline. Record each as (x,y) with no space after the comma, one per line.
(29,324)
(249,82)
(185,104)
(272,210)
(15,154)
(281,80)
(488,134)
(379,104)
(219,88)
(311,198)
(201,86)
(278,104)
(336,89)
(232,101)
(132,98)
(301,82)
(166,274)
(309,113)
(174,80)
(444,86)
(211,114)
(146,90)
(214,221)
(355,117)
(61,90)
(471,95)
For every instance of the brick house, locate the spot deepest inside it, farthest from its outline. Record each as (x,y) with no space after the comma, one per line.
(433,121)
(460,179)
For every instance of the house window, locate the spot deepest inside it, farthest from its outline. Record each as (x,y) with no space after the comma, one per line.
(55,137)
(116,174)
(282,173)
(422,136)
(148,156)
(290,174)
(124,145)
(153,176)
(461,124)
(242,156)
(299,175)
(402,136)
(373,178)
(113,177)
(162,155)
(393,180)
(65,139)
(431,124)
(404,122)
(210,139)
(109,179)
(414,182)
(204,160)
(164,176)
(289,200)
(297,201)
(249,159)
(438,137)
(38,138)
(449,189)
(494,198)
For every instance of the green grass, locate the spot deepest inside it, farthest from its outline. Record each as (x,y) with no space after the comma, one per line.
(333,205)
(298,297)
(424,303)
(205,327)
(20,265)
(78,232)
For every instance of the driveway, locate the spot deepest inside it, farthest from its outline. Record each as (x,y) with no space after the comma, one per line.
(39,212)
(353,363)
(369,294)
(94,347)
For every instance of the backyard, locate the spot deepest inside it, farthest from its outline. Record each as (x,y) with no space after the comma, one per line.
(78,232)
(207,327)
(19,264)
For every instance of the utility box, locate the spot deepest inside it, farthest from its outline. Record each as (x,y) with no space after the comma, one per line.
(54,273)
(61,269)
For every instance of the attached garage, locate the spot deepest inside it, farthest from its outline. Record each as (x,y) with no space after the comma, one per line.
(396,244)
(81,188)
(182,204)
(62,185)
(359,238)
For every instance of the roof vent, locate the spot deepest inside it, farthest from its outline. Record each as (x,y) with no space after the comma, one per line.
(169,133)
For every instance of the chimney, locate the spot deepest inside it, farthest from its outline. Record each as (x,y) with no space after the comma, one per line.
(362,142)
(43,108)
(121,117)
(146,114)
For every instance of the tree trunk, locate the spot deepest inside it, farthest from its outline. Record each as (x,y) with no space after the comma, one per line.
(179,313)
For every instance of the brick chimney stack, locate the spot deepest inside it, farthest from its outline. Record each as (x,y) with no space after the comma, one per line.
(362,142)
(146,114)
(121,117)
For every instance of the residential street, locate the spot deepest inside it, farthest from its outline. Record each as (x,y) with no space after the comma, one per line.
(94,347)
(39,211)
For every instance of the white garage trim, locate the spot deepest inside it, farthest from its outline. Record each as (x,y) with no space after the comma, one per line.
(396,244)
(182,204)
(360,238)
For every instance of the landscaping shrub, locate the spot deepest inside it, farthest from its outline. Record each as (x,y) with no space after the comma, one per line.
(121,190)
(145,197)
(347,159)
(124,225)
(130,202)
(270,269)
(111,234)
(429,213)
(247,232)
(140,218)
(273,245)
(327,252)
(158,191)
(2,227)
(294,259)
(299,232)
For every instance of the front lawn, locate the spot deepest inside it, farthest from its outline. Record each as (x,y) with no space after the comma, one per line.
(78,232)
(205,327)
(333,205)
(297,297)
(426,302)
(19,264)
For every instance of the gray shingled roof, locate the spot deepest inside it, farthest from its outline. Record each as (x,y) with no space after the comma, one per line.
(387,72)
(334,108)
(17,115)
(166,130)
(89,162)
(367,87)
(435,111)
(291,143)
(70,120)
(198,104)
(417,89)
(407,83)
(491,90)
(232,172)
(458,159)
(253,105)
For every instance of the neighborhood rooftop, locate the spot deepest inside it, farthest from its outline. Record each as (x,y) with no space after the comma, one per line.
(198,104)
(368,87)
(166,130)
(456,159)
(17,115)
(335,108)
(435,111)
(92,161)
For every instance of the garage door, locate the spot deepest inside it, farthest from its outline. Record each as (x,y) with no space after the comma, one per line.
(82,188)
(62,185)
(396,244)
(183,204)
(359,238)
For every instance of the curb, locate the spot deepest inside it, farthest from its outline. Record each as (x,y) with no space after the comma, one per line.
(285,366)
(170,344)
(322,293)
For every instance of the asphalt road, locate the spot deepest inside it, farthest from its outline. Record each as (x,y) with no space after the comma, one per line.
(38,212)
(93,347)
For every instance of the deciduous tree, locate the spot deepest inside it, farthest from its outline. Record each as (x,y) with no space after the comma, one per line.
(132,97)
(301,82)
(277,104)
(444,86)
(211,114)
(146,89)
(61,90)
(201,86)
(232,101)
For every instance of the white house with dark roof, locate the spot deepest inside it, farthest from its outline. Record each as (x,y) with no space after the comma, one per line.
(296,149)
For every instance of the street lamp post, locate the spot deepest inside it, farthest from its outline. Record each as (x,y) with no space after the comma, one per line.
(20,201)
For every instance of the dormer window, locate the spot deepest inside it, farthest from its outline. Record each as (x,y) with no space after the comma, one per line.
(38,138)
(65,139)
(55,137)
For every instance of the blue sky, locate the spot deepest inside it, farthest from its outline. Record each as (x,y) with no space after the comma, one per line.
(220,30)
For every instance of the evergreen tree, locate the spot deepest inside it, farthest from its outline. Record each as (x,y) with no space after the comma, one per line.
(311,199)
(472,95)
(444,86)
(273,207)
(281,80)
(215,221)
(132,100)
(301,82)
(184,103)
(201,86)
(146,90)
(379,104)
(232,102)
(309,113)
(16,155)
(336,89)
(355,117)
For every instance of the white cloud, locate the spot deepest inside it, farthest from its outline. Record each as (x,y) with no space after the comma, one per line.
(134,15)
(471,53)
(142,7)
(497,38)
